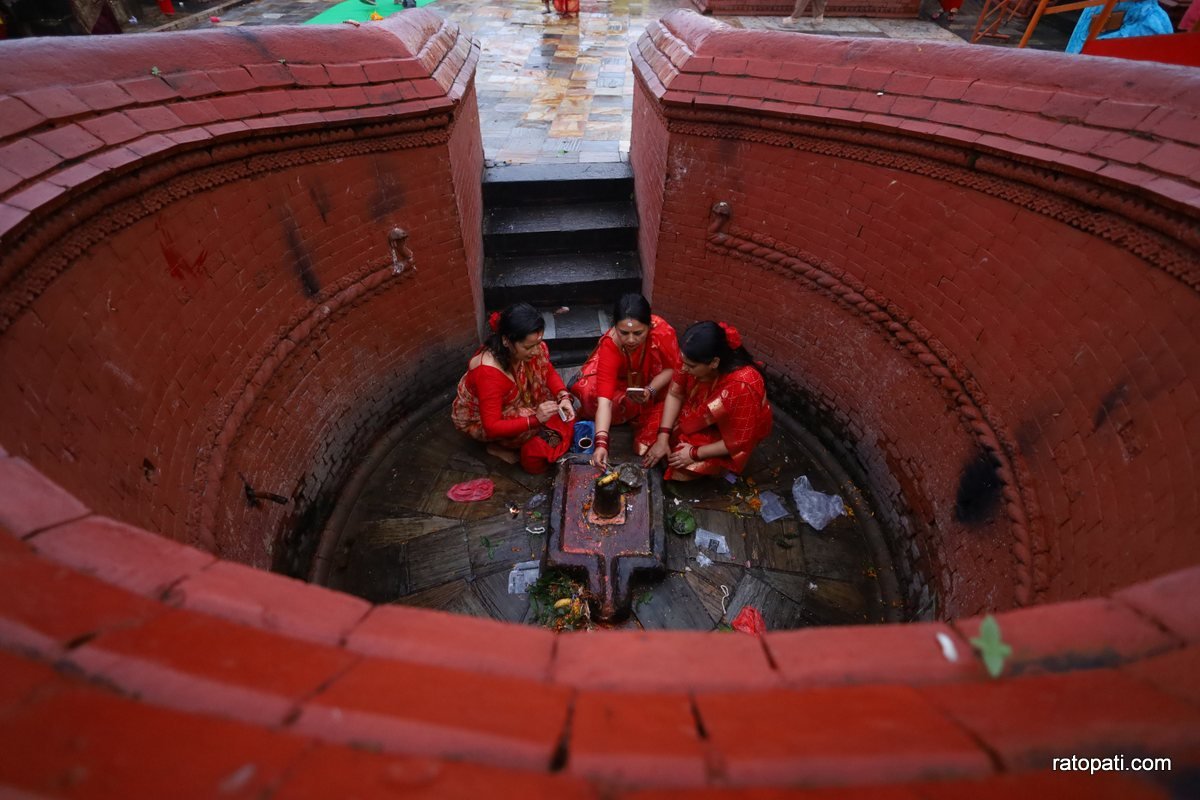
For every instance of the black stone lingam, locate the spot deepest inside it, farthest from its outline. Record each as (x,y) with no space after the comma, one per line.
(607,500)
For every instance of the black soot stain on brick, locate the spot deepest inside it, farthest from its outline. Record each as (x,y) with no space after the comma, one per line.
(301,260)
(979,491)
(1108,403)
(320,198)
(389,192)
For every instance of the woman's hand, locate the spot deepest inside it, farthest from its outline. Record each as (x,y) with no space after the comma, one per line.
(545,410)
(682,458)
(600,458)
(567,409)
(657,452)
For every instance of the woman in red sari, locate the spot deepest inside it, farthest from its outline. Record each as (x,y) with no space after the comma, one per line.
(565,8)
(716,411)
(625,378)
(511,396)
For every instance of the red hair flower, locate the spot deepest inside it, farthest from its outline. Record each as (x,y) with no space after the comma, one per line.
(494,321)
(731,335)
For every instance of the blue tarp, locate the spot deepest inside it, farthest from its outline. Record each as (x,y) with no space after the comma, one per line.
(1142,18)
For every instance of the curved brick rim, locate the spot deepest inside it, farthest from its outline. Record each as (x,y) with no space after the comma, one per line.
(1005,134)
(101,618)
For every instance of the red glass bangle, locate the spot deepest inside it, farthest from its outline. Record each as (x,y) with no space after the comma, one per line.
(665,429)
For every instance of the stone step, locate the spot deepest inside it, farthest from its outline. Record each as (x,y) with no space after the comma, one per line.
(572,334)
(579,228)
(544,184)
(565,279)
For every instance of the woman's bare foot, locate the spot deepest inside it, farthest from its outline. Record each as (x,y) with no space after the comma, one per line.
(788,21)
(502,453)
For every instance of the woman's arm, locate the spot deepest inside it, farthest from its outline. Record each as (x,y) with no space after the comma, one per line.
(603,423)
(665,341)
(562,397)
(690,454)
(660,382)
(662,443)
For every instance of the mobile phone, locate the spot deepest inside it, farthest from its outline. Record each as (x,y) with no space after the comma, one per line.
(638,390)
(562,413)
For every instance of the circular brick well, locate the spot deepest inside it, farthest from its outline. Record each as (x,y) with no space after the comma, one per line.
(976,271)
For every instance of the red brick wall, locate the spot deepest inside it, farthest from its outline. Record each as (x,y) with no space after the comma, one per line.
(229,313)
(466,159)
(648,156)
(1067,330)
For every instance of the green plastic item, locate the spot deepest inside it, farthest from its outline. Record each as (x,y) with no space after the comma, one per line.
(994,650)
(358,11)
(682,521)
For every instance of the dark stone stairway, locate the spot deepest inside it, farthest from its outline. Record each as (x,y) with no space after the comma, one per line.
(561,236)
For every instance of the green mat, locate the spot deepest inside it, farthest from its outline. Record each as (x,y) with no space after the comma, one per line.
(358,11)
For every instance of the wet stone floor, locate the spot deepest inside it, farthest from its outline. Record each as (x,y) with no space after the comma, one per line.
(558,90)
(405,542)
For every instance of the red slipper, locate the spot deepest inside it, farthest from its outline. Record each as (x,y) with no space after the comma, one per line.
(471,491)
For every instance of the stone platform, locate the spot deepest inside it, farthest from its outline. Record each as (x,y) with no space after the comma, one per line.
(608,551)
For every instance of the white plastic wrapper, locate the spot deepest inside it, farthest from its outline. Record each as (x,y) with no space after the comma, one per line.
(707,540)
(816,508)
(522,576)
(772,507)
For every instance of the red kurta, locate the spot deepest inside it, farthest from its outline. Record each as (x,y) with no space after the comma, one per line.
(492,407)
(732,409)
(609,371)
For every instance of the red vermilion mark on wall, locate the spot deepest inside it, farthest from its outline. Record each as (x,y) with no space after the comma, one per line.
(178,265)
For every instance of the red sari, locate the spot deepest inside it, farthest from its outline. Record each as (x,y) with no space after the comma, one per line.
(492,407)
(609,371)
(732,409)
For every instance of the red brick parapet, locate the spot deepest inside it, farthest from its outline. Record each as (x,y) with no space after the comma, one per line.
(1130,127)
(942,198)
(115,640)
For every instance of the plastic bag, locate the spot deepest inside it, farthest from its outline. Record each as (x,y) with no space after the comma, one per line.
(749,620)
(707,540)
(471,491)
(772,507)
(816,508)
(522,576)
